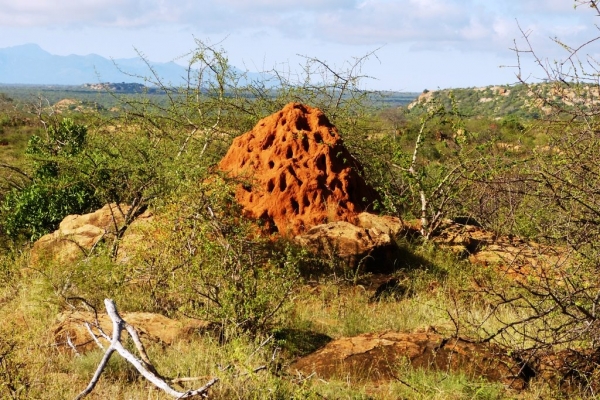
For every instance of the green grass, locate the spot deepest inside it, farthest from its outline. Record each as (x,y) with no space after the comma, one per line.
(329,309)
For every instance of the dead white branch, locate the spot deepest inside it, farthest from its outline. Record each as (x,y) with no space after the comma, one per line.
(142,364)
(89,329)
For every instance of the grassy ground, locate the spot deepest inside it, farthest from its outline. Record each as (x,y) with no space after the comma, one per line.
(435,286)
(32,367)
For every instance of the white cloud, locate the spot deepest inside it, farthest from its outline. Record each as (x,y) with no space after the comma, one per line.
(465,25)
(118,13)
(270,6)
(381,21)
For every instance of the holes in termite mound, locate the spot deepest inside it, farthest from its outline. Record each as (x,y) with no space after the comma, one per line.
(271,164)
(318,137)
(282,183)
(302,124)
(269,142)
(283,121)
(270,186)
(305,144)
(323,121)
(339,159)
(266,221)
(321,163)
(295,206)
(305,201)
(335,184)
(291,171)
(289,153)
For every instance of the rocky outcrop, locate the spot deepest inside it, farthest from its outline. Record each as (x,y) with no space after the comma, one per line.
(70,331)
(78,234)
(371,249)
(378,357)
(517,257)
(296,172)
(387,224)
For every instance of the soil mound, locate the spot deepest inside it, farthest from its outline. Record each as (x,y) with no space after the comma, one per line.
(297,172)
(377,357)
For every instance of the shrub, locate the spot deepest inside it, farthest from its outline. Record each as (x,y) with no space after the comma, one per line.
(56,188)
(205,260)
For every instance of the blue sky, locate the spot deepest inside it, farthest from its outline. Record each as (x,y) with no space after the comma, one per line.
(421,43)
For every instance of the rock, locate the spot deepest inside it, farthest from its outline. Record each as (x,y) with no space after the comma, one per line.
(137,237)
(77,234)
(70,326)
(392,226)
(370,248)
(518,258)
(568,370)
(297,172)
(377,357)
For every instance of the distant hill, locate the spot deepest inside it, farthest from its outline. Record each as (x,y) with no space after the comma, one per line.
(29,64)
(513,100)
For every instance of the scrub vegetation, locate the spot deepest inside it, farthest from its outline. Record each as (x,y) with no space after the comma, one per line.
(519,161)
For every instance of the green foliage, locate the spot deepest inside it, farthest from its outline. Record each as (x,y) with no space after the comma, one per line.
(56,188)
(212,265)
(39,207)
(67,139)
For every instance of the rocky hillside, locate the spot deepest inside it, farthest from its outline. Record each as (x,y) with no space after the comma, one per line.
(518,100)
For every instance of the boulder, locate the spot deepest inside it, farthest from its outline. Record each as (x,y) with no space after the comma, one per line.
(70,331)
(295,172)
(387,224)
(516,257)
(378,357)
(370,248)
(78,234)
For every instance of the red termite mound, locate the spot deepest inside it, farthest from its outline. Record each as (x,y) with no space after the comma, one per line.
(297,172)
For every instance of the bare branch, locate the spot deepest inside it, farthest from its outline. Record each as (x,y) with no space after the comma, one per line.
(143,365)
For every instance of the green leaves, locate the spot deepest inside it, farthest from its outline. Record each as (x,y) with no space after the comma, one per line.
(39,207)
(58,187)
(66,139)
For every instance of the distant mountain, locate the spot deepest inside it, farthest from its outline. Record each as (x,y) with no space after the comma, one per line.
(31,65)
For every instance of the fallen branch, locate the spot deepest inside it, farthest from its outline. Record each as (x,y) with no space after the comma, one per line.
(142,364)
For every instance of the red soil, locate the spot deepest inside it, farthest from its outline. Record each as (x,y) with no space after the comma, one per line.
(296,172)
